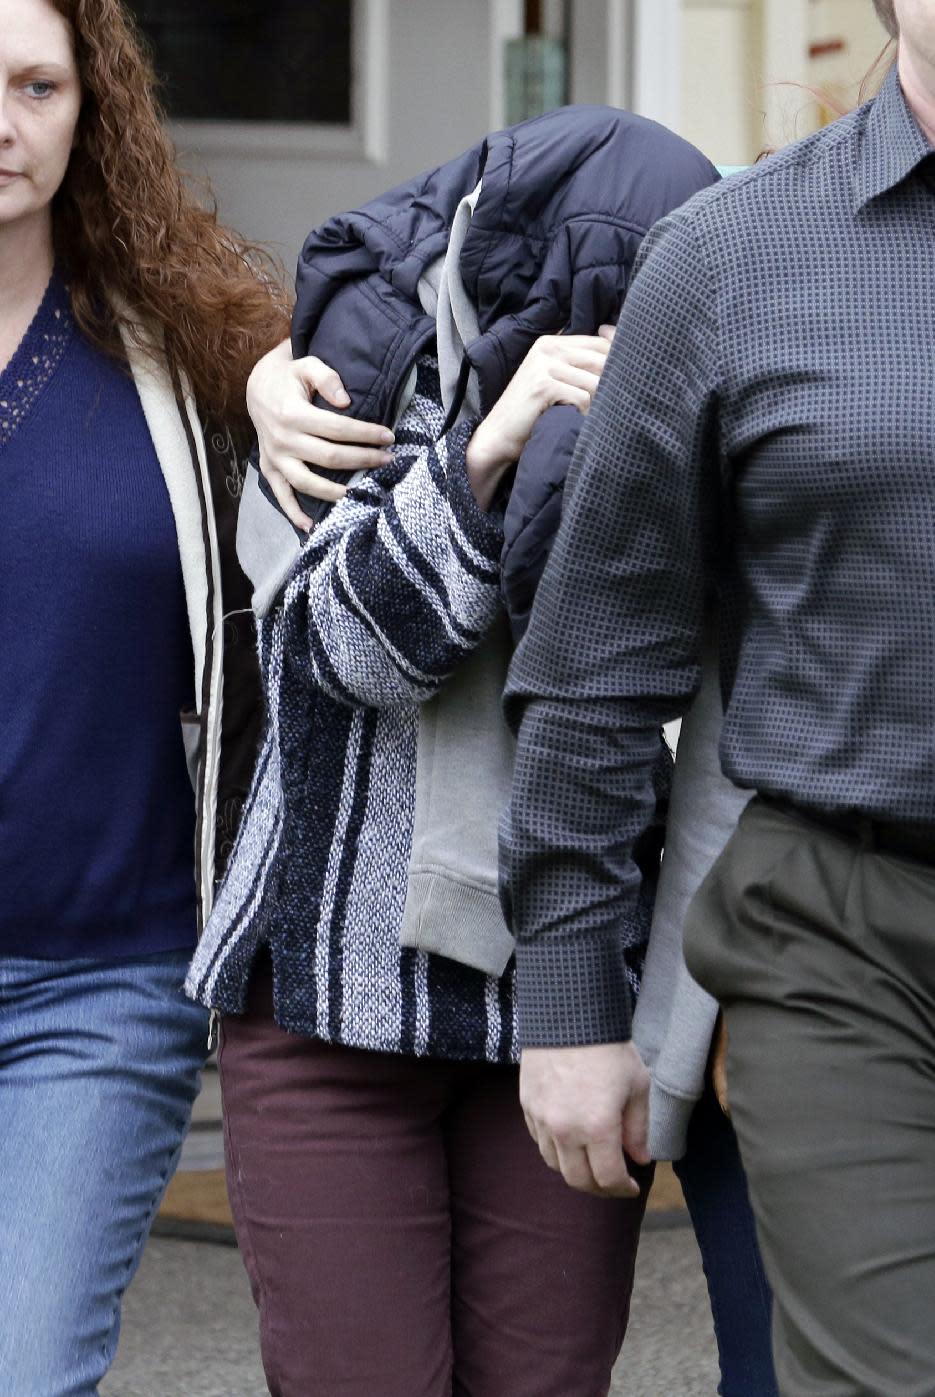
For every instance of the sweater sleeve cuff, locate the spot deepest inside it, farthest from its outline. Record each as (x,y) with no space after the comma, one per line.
(482,528)
(573,993)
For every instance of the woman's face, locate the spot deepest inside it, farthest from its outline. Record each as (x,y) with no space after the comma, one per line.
(40,97)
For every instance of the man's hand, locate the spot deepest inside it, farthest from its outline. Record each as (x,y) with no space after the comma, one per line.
(292,432)
(584,1107)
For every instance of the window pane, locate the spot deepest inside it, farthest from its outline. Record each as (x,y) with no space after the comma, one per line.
(252,60)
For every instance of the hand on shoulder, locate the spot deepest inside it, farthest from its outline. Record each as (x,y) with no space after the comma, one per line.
(294,434)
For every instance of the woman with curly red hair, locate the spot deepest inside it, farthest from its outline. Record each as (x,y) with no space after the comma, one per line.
(129,321)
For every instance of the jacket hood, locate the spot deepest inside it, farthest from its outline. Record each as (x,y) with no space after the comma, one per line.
(566,199)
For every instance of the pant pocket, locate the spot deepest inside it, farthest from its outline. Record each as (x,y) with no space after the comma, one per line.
(731,917)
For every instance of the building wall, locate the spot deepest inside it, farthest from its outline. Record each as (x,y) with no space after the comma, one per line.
(855,21)
(438,99)
(747,67)
(727,74)
(720,70)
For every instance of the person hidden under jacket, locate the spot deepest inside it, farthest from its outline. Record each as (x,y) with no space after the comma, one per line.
(532,231)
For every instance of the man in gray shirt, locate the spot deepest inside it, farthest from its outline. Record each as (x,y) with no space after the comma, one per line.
(763,439)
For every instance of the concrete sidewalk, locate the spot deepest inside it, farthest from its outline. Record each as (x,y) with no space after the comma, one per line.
(190,1327)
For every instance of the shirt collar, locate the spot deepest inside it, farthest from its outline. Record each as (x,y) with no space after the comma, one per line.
(893,143)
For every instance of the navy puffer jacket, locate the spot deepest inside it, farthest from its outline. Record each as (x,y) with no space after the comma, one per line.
(565,201)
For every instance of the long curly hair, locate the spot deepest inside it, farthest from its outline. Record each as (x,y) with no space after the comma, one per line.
(137,245)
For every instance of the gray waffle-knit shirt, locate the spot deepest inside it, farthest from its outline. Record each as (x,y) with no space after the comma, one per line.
(764,432)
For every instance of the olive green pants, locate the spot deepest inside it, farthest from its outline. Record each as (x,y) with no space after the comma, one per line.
(822,952)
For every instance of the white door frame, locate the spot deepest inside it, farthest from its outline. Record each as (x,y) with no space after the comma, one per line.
(639,48)
(657,70)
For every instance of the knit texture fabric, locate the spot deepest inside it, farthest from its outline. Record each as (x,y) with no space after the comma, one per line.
(97,816)
(398,584)
(36,359)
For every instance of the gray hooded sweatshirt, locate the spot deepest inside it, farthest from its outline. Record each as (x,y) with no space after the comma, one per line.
(675,1018)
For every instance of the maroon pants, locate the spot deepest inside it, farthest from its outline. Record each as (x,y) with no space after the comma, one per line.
(402,1235)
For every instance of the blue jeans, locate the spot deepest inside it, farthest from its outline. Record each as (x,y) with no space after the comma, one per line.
(99,1065)
(715,1188)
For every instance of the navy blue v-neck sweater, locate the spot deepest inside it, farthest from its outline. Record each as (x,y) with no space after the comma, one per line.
(96,809)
